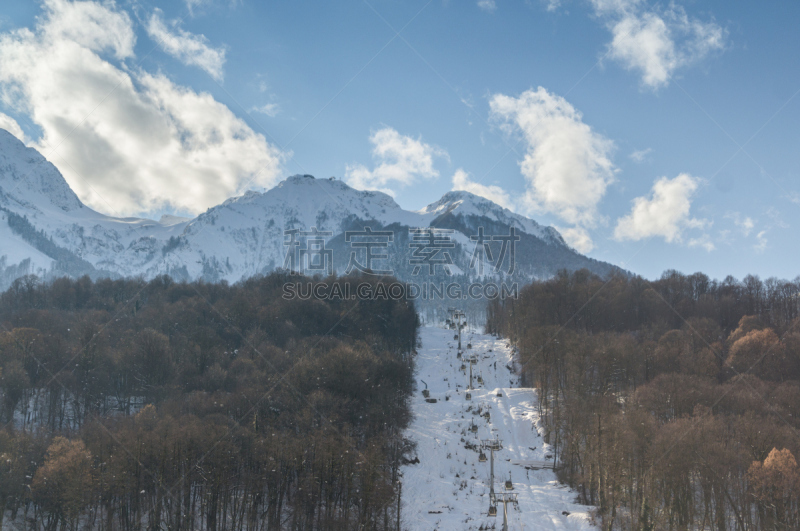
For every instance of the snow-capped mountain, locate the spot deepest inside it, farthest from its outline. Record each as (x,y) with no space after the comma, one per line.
(47,231)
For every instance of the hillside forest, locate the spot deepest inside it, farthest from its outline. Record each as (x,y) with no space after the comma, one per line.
(132,405)
(672,404)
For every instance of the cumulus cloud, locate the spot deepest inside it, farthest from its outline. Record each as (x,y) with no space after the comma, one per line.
(129,138)
(761,243)
(665,213)
(461,181)
(567,166)
(640,155)
(703,241)
(11,125)
(552,5)
(578,238)
(487,5)
(269,109)
(401,161)
(187,47)
(656,42)
(746,224)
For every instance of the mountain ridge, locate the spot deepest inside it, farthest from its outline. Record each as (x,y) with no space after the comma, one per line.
(49,232)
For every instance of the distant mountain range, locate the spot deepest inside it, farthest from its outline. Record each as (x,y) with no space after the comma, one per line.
(47,231)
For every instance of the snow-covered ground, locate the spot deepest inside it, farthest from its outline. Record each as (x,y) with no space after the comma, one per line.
(449,487)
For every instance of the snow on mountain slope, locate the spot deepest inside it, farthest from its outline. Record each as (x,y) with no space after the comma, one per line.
(462,203)
(449,488)
(30,181)
(15,250)
(248,231)
(33,189)
(51,233)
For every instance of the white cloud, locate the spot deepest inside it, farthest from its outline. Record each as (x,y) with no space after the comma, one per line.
(402,160)
(552,5)
(578,238)
(746,225)
(567,166)
(656,42)
(640,155)
(461,181)
(11,125)
(270,109)
(776,217)
(703,241)
(187,47)
(90,25)
(128,138)
(192,4)
(665,213)
(761,245)
(487,5)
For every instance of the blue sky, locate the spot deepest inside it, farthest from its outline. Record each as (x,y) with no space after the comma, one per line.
(653,135)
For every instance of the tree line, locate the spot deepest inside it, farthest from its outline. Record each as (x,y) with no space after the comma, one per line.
(672,404)
(132,405)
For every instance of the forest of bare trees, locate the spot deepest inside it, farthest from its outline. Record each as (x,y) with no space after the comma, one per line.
(159,405)
(672,404)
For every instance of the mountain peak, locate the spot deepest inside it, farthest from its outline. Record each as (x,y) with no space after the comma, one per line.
(241,237)
(466,204)
(26,177)
(298,180)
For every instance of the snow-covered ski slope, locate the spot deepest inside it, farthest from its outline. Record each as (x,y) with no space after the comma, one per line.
(449,488)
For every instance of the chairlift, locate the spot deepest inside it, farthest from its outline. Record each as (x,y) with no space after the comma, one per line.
(469,345)
(492,510)
(468,396)
(455,337)
(509,485)
(482,457)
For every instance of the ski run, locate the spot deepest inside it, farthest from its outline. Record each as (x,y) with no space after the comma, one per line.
(449,488)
